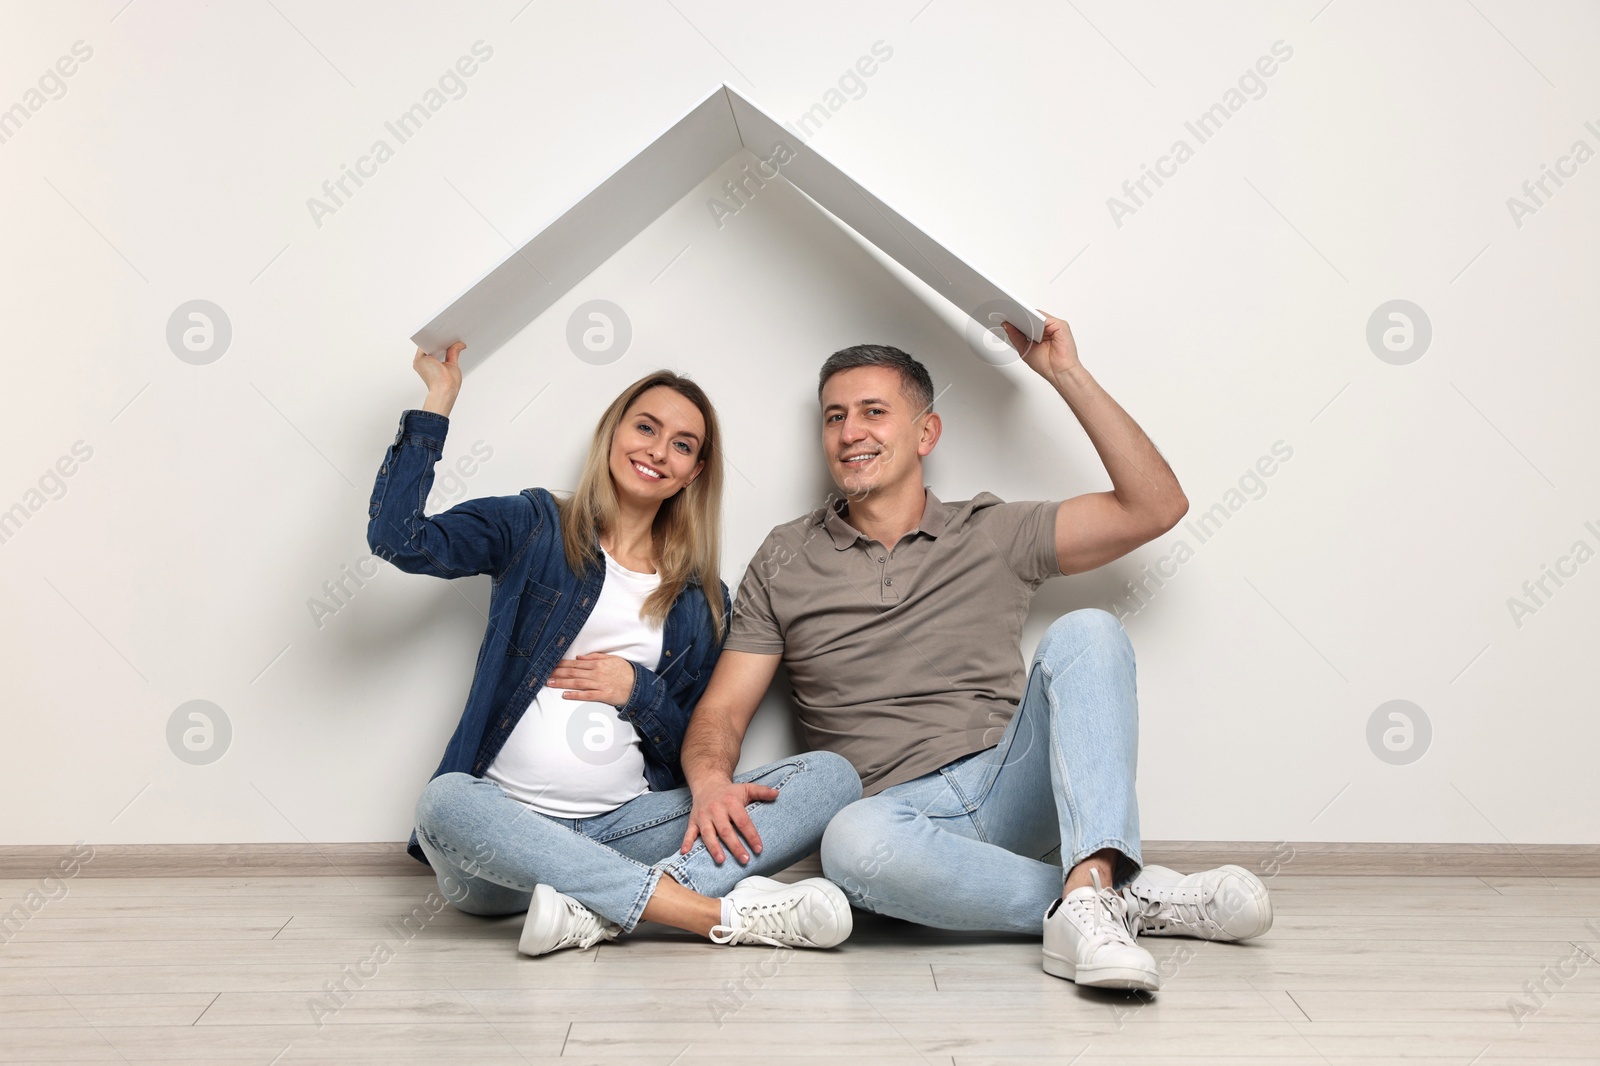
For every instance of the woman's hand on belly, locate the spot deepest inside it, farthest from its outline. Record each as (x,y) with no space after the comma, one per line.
(596,677)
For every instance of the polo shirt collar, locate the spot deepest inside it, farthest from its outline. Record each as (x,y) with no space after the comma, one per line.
(844,534)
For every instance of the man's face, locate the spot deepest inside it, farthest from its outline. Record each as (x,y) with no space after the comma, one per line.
(873,437)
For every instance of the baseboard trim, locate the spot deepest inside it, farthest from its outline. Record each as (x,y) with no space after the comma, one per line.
(211,860)
(1365,859)
(390,859)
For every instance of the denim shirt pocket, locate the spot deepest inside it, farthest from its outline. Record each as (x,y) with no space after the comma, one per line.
(534,608)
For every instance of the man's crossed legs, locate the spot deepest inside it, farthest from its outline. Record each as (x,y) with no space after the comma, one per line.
(982,842)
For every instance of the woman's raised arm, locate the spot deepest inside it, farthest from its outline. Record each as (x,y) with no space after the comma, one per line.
(442,378)
(477,536)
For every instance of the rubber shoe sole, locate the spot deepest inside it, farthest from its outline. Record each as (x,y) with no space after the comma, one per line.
(547,919)
(1102,976)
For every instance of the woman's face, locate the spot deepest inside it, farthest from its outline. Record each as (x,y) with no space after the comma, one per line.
(655,450)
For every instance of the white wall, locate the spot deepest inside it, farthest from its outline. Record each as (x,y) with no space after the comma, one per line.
(1226,313)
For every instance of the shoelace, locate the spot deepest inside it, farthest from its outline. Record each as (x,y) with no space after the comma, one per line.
(585,928)
(1110,920)
(762,922)
(1186,910)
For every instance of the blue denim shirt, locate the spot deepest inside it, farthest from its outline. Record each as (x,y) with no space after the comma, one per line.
(536,608)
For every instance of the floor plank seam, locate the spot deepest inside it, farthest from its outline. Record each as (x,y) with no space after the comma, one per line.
(904,1039)
(1297,1005)
(109,1043)
(202,1014)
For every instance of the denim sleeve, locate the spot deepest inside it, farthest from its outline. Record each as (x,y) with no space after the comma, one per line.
(659,710)
(660,704)
(474,537)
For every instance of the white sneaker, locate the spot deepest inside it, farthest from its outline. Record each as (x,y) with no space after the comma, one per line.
(1088,939)
(807,914)
(1228,903)
(556,921)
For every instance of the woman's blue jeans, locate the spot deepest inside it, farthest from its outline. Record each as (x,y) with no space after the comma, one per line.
(489,851)
(977,844)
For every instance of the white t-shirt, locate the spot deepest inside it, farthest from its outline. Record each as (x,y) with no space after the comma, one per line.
(576,758)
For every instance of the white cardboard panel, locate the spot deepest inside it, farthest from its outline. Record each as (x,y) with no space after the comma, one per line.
(513,294)
(901,239)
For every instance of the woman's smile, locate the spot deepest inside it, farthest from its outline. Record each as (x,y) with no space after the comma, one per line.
(647,472)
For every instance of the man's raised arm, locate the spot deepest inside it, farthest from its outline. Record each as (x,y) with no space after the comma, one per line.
(711,751)
(1145,499)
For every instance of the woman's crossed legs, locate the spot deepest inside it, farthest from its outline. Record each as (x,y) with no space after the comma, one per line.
(490,852)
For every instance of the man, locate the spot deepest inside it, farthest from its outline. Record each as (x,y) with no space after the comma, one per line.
(899,620)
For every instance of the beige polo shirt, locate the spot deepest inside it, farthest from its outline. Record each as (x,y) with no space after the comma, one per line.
(901,660)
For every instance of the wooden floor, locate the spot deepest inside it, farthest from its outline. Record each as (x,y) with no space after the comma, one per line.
(218,969)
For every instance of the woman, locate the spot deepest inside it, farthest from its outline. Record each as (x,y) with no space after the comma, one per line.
(560,792)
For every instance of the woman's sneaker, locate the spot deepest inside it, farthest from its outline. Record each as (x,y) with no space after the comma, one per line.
(1228,903)
(1088,939)
(807,914)
(556,921)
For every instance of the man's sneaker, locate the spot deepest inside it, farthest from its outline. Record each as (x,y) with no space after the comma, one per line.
(1228,903)
(1088,939)
(556,921)
(807,914)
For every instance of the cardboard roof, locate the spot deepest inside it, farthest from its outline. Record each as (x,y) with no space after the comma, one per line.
(496,307)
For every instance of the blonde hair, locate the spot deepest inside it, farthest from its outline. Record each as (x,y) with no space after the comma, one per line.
(687,528)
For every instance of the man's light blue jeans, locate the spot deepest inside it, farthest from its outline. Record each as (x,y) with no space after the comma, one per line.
(978,843)
(489,851)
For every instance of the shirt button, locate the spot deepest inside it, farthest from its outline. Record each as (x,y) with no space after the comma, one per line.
(880,558)
(888,581)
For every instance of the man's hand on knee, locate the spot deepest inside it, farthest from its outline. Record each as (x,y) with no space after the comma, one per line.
(720,818)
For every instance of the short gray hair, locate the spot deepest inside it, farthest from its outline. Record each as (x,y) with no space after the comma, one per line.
(915,381)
